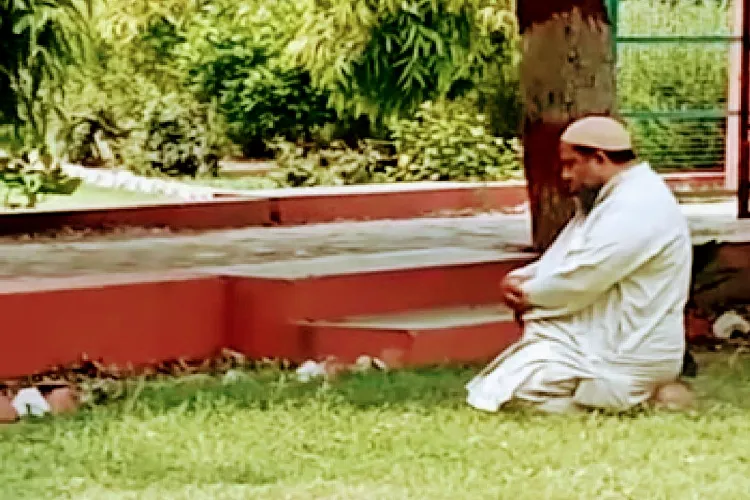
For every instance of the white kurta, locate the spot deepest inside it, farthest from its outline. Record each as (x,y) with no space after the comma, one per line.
(606,324)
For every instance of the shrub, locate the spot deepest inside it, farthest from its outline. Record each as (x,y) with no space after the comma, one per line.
(163,128)
(41,41)
(234,54)
(92,138)
(317,70)
(444,141)
(452,141)
(177,137)
(27,176)
(335,165)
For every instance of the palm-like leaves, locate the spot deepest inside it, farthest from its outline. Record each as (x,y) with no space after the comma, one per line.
(384,57)
(39,40)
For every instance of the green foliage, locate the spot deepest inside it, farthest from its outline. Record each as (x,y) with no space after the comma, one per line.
(41,39)
(452,141)
(497,93)
(213,74)
(336,165)
(382,58)
(234,53)
(176,137)
(447,141)
(27,177)
(163,128)
(235,57)
(90,137)
(153,132)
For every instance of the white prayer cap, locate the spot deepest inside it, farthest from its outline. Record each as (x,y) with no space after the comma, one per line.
(598,132)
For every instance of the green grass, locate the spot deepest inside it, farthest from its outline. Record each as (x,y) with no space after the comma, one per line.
(88,196)
(384,435)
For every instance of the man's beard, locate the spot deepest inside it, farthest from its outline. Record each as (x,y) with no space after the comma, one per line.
(587,196)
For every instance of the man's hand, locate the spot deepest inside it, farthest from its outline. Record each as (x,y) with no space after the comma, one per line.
(513,295)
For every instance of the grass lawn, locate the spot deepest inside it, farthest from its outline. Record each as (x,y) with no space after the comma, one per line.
(88,196)
(401,435)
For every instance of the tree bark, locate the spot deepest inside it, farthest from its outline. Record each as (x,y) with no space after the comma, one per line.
(567,71)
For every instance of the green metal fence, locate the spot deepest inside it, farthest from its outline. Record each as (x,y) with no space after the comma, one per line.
(674,59)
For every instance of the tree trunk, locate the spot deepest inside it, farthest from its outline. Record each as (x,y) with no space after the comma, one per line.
(567,71)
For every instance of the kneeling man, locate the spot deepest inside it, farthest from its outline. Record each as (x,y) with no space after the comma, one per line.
(602,309)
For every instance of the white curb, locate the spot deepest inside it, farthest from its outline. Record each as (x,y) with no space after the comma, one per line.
(128,181)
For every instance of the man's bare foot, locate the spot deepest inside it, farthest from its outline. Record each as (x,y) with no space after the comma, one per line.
(673,396)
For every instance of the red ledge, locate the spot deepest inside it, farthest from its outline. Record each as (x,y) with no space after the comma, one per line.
(205,215)
(143,319)
(226,212)
(119,319)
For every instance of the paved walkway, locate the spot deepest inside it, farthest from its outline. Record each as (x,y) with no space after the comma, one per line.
(148,251)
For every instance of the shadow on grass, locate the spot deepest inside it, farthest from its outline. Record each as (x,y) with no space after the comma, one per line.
(724,380)
(429,387)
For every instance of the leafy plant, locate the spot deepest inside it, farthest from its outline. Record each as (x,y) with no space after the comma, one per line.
(320,70)
(382,58)
(90,138)
(234,54)
(27,177)
(444,141)
(336,165)
(178,137)
(41,40)
(452,141)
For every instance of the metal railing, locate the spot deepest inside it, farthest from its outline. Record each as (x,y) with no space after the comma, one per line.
(678,63)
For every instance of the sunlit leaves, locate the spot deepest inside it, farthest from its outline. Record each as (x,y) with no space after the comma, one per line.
(383,58)
(452,141)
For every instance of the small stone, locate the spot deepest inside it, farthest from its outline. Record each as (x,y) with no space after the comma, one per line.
(310,370)
(8,414)
(234,377)
(379,364)
(363,364)
(30,402)
(263,250)
(63,400)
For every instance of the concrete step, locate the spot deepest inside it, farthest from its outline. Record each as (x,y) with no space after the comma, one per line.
(460,334)
(268,301)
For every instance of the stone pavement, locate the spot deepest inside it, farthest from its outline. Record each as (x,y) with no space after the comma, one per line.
(154,251)
(254,245)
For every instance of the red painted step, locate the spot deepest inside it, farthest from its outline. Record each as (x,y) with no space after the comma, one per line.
(119,319)
(451,334)
(268,301)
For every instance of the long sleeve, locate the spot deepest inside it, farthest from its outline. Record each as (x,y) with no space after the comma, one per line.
(612,249)
(530,271)
(526,272)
